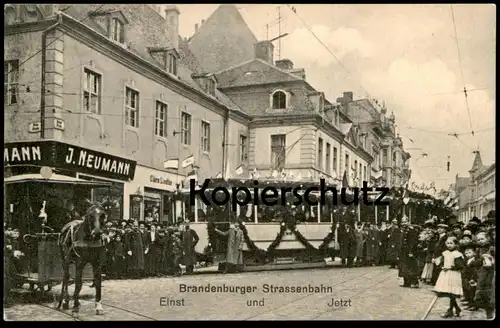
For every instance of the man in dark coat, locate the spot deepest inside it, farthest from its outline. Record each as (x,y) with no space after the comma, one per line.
(372,245)
(439,248)
(383,234)
(134,244)
(347,242)
(189,240)
(153,251)
(408,265)
(393,244)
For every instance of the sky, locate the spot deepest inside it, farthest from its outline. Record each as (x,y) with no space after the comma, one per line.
(405,55)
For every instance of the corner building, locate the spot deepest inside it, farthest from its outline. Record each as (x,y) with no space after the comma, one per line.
(120,82)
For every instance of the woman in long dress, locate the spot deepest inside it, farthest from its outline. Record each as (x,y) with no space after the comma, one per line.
(449,282)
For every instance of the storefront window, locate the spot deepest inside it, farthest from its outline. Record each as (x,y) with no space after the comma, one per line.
(112,194)
(157,206)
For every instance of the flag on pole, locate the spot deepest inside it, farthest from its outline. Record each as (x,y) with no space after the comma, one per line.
(171,164)
(239,170)
(188,161)
(345,183)
(192,176)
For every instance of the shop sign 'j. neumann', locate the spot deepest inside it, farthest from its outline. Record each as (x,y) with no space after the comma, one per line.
(72,158)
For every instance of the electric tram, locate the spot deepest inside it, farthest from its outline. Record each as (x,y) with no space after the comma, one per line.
(286,232)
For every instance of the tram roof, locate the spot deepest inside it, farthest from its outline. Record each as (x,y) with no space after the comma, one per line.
(55,178)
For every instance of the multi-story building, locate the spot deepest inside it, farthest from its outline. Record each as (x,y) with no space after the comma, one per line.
(391,162)
(478,197)
(120,93)
(293,128)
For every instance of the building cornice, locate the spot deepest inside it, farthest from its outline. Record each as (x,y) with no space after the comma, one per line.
(309,119)
(101,43)
(28,27)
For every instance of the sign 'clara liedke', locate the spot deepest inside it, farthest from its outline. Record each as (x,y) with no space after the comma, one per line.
(271,195)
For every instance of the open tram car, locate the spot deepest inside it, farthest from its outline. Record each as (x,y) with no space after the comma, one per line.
(280,234)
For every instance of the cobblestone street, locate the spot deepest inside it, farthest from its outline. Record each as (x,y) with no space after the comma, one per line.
(362,293)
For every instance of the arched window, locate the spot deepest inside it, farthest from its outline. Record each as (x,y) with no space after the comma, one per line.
(279,100)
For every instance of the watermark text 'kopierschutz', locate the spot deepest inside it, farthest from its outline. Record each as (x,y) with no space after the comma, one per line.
(270,195)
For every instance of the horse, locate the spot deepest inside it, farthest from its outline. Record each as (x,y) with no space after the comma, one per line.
(80,243)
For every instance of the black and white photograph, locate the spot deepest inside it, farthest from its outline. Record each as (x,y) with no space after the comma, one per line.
(263,162)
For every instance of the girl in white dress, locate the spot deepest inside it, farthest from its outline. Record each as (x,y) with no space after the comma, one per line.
(449,282)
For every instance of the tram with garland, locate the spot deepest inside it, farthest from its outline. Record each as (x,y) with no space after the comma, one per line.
(283,233)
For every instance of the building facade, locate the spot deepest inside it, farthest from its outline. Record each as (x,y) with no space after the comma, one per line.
(478,197)
(391,162)
(117,80)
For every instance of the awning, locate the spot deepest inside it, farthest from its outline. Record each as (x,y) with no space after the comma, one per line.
(152,196)
(55,178)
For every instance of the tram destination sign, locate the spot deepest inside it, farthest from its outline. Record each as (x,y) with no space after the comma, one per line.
(69,157)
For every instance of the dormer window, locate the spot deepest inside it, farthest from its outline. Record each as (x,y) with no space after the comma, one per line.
(207,82)
(172,63)
(211,87)
(116,22)
(168,57)
(117,34)
(279,100)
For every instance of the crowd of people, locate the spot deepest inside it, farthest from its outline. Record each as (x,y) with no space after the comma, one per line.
(458,260)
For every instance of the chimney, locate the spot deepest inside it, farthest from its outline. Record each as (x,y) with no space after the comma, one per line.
(285,64)
(172,19)
(348,96)
(265,50)
(196,27)
(202,21)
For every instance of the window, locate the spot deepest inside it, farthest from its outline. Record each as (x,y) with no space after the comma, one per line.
(355,169)
(347,164)
(132,107)
(278,149)
(172,64)
(243,148)
(360,172)
(92,92)
(117,30)
(320,154)
(394,157)
(161,119)
(11,82)
(185,128)
(335,158)
(211,87)
(385,157)
(327,159)
(279,100)
(365,178)
(205,136)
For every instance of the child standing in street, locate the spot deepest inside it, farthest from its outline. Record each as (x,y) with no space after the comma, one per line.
(449,282)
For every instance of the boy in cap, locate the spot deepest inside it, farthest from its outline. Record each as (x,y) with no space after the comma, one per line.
(469,275)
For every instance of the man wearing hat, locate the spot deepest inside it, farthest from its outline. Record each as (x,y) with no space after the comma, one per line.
(408,265)
(439,248)
(456,230)
(393,244)
(189,240)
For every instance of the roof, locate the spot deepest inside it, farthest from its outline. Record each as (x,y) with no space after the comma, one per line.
(254,72)
(478,162)
(223,40)
(146,29)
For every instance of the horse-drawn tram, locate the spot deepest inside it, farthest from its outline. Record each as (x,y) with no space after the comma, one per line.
(28,198)
(286,232)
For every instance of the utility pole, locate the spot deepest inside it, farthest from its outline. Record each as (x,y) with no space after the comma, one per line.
(279,32)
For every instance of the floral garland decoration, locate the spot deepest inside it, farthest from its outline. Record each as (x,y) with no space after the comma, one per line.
(327,240)
(290,224)
(259,253)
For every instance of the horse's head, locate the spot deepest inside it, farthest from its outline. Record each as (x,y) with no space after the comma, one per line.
(94,220)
